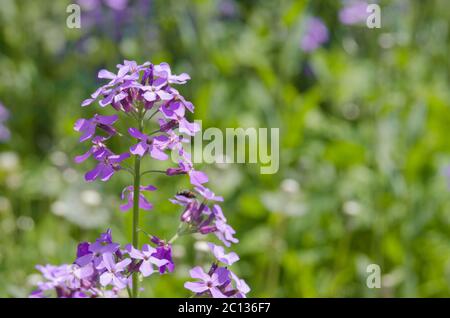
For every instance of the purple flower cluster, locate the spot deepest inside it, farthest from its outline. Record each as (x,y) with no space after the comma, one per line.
(4,131)
(138,93)
(101,269)
(135,91)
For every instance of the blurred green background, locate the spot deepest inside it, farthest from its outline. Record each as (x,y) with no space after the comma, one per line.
(364,139)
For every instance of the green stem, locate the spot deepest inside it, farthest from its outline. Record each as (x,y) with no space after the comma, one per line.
(137,184)
(152,171)
(136,192)
(173,239)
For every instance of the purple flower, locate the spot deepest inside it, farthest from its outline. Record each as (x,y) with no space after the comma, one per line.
(207,194)
(107,166)
(220,255)
(208,283)
(65,280)
(146,257)
(185,166)
(113,271)
(218,213)
(116,90)
(176,111)
(241,286)
(147,145)
(315,35)
(88,126)
(204,220)
(87,252)
(163,252)
(354,12)
(143,203)
(153,93)
(178,97)
(163,71)
(98,150)
(225,232)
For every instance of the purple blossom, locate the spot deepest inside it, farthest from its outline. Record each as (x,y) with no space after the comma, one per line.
(113,271)
(153,93)
(241,286)
(146,258)
(207,194)
(204,220)
(163,252)
(354,12)
(208,283)
(225,233)
(87,252)
(148,145)
(218,213)
(98,150)
(65,280)
(88,126)
(178,97)
(176,111)
(164,72)
(107,166)
(116,90)
(83,278)
(219,282)
(129,193)
(220,255)
(197,178)
(316,34)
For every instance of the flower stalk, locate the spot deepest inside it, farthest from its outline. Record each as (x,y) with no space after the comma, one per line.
(135,234)
(136,192)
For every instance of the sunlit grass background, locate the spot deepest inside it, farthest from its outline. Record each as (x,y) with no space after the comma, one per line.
(364,132)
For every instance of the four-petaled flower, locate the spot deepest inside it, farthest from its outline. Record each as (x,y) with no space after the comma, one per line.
(220,255)
(107,166)
(113,271)
(147,145)
(208,283)
(146,257)
(88,126)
